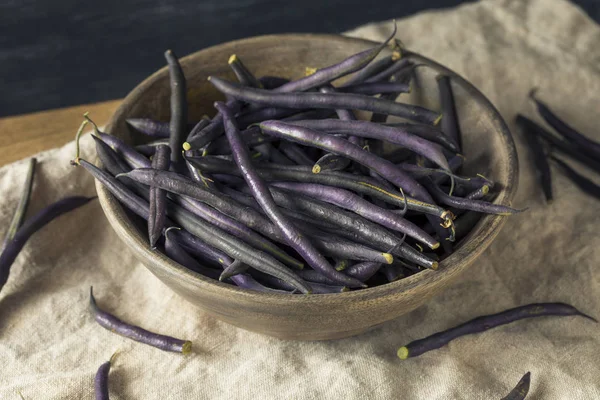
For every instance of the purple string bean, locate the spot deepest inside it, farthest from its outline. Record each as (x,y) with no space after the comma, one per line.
(483,323)
(116,325)
(324,100)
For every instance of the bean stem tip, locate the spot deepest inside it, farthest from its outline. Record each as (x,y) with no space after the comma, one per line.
(309,71)
(403,353)
(388,257)
(187,347)
(232,59)
(532,93)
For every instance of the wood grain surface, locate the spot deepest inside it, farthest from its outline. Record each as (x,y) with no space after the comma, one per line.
(28,134)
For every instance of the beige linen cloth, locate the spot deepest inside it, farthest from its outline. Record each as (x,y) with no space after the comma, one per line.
(50,348)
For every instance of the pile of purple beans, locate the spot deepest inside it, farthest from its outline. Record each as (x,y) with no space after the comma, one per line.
(284,190)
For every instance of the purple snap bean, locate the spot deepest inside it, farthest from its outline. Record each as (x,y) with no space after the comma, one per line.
(116,325)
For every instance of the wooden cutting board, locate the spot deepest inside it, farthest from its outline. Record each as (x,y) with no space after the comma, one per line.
(28,134)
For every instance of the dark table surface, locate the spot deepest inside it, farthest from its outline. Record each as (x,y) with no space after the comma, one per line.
(65,52)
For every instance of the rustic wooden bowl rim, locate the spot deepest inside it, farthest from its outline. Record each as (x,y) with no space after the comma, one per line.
(485,231)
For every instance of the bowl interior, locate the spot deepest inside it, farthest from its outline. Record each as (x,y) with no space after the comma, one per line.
(487,145)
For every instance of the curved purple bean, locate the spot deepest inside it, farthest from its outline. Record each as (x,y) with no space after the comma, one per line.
(114,324)
(341,264)
(111,161)
(32,225)
(449,123)
(455,163)
(343,114)
(179,106)
(246,118)
(309,114)
(131,156)
(325,100)
(243,74)
(312,276)
(198,127)
(200,135)
(350,201)
(478,193)
(427,132)
(261,193)
(373,68)
(153,128)
(467,204)
(542,167)
(373,88)
(482,324)
(295,153)
(146,150)
(418,172)
(400,135)
(235,268)
(330,162)
(200,250)
(101,379)
(562,145)
(230,180)
(317,288)
(270,153)
(520,391)
(336,246)
(363,271)
(382,118)
(465,222)
(333,72)
(582,182)
(158,197)
(251,136)
(587,145)
(393,272)
(21,209)
(178,254)
(149,127)
(340,146)
(393,69)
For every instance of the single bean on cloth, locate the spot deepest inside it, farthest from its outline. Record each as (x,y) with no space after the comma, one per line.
(51,346)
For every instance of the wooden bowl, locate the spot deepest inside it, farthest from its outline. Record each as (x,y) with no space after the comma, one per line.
(314,317)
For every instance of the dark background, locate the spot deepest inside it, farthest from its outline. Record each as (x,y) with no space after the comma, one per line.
(56,53)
